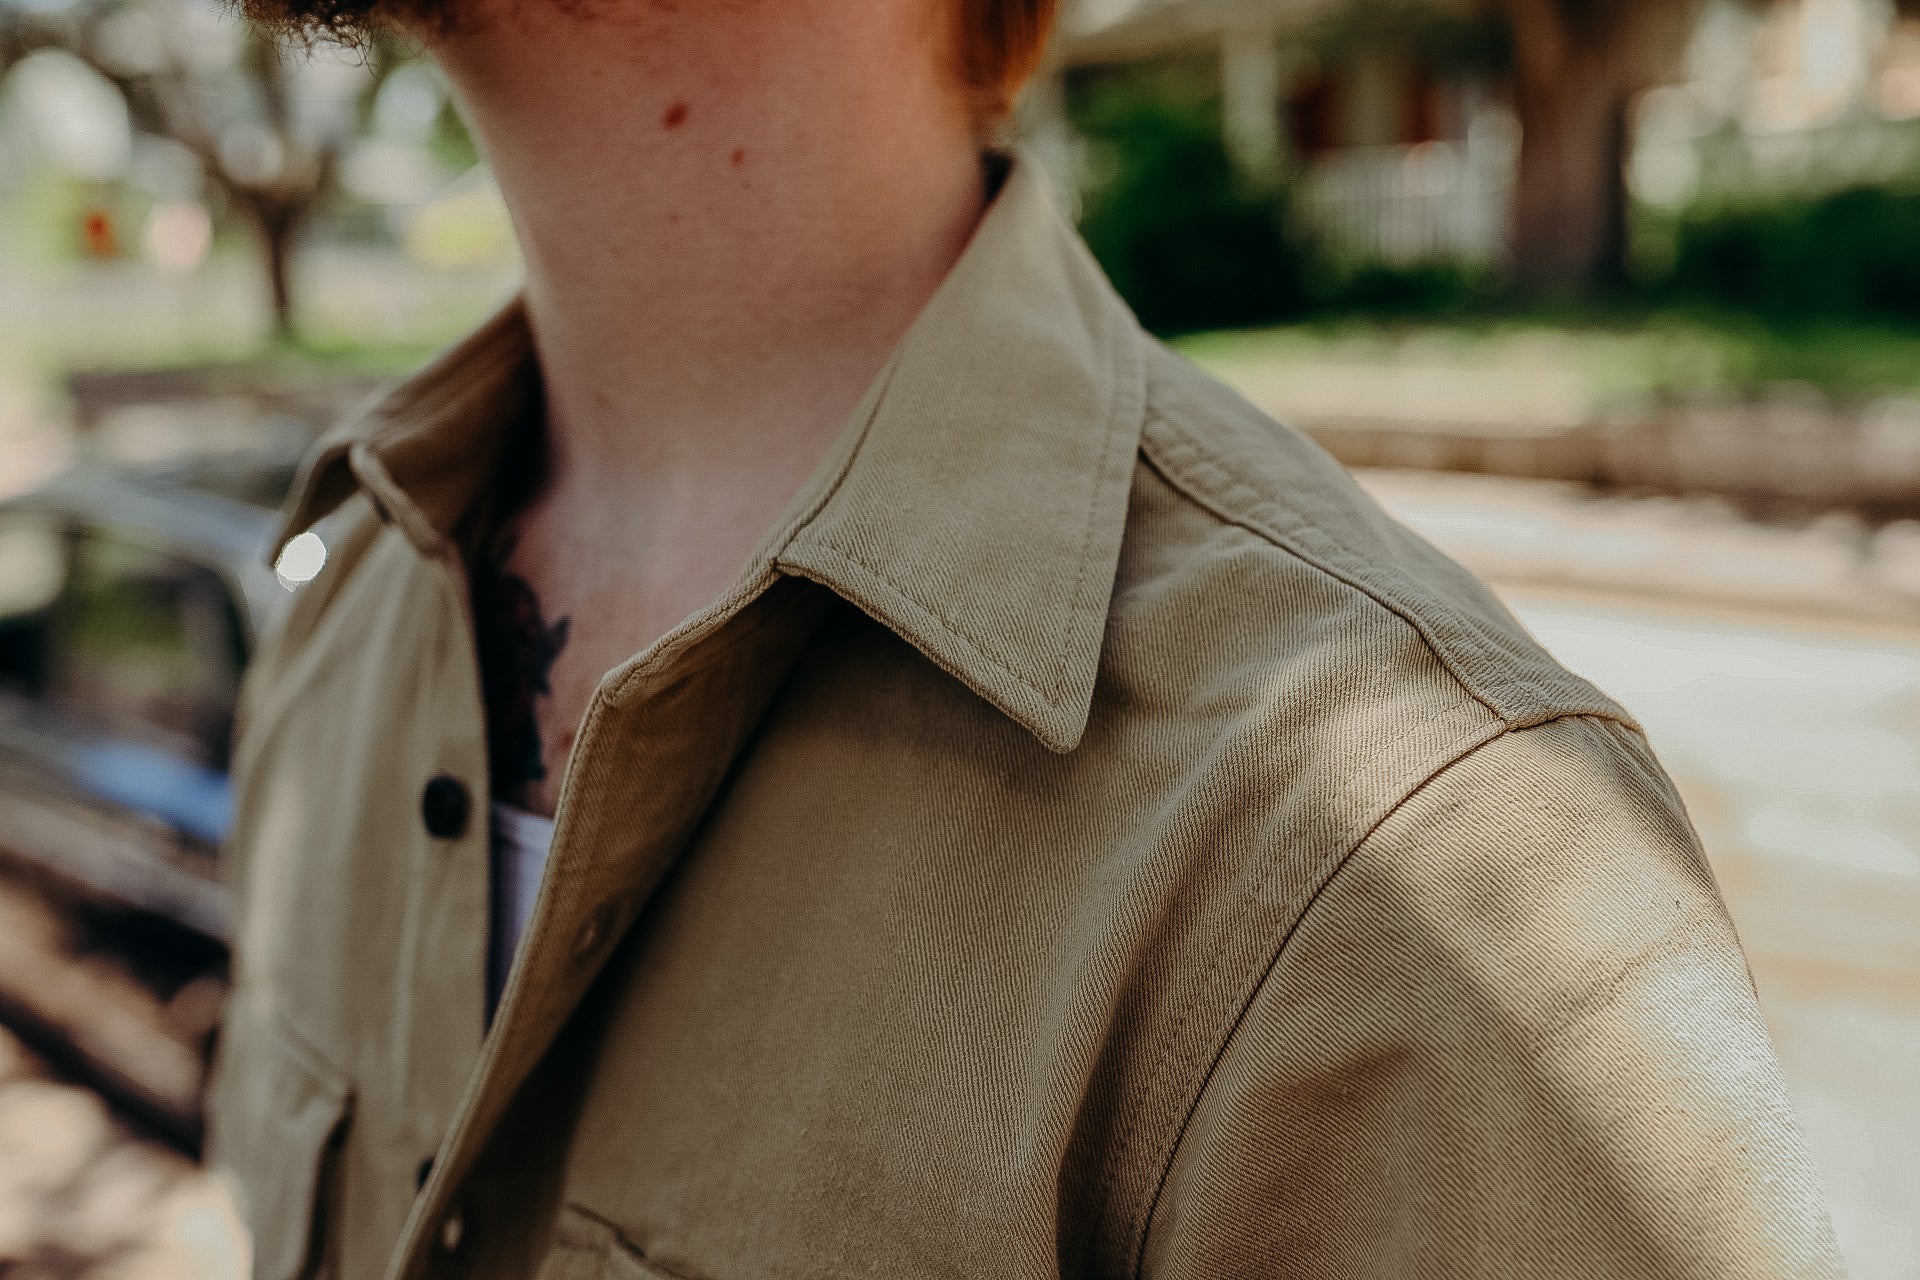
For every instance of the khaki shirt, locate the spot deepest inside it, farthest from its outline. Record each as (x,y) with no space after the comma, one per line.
(1090,839)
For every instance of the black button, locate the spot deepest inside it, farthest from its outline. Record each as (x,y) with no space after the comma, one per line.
(421,1174)
(444,806)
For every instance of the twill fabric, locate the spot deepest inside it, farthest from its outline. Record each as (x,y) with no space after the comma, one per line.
(1089,839)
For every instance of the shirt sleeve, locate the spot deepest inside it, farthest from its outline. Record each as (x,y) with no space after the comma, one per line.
(1515,1036)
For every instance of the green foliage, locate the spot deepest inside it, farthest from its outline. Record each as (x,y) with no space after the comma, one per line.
(1464,42)
(450,142)
(1187,239)
(1731,299)
(1851,254)
(1580,356)
(1193,243)
(1420,290)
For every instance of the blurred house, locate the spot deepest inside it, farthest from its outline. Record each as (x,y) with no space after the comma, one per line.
(1390,122)
(1801,97)
(1395,128)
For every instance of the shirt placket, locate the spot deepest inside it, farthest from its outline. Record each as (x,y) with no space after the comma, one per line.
(655,747)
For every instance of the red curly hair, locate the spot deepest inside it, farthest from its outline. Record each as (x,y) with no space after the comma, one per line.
(1000,45)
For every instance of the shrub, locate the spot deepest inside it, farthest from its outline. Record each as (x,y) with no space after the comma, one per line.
(1413,291)
(1851,254)
(1188,241)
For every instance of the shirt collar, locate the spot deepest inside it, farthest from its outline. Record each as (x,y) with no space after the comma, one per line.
(977,502)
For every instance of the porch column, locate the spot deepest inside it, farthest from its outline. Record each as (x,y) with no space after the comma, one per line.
(1250,81)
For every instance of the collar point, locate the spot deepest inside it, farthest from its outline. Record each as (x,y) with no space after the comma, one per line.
(1058,722)
(1061,735)
(1011,684)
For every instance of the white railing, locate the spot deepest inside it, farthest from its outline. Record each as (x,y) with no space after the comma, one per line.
(1671,167)
(1439,200)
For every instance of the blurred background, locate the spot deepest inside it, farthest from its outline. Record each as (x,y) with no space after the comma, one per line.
(1617,300)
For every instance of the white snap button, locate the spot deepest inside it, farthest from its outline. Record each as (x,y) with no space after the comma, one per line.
(452,1227)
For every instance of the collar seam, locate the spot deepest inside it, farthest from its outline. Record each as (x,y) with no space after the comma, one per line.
(1126,391)
(364,461)
(1053,701)
(1453,638)
(1230,499)
(1128,377)
(673,655)
(802,523)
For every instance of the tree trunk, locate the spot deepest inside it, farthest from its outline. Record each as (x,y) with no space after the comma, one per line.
(1576,70)
(279,250)
(1570,194)
(276,227)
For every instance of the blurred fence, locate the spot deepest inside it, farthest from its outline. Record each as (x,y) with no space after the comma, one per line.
(1438,200)
(1672,165)
(1449,200)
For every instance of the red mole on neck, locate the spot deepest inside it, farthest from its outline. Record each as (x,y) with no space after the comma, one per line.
(675,117)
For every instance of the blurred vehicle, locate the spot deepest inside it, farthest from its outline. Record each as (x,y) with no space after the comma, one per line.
(129,604)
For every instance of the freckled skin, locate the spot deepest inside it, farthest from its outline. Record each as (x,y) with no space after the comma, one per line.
(661,464)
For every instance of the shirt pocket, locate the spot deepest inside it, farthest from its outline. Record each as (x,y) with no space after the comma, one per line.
(279,1115)
(587,1248)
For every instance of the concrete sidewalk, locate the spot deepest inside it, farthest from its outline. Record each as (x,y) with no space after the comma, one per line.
(1701,550)
(1630,411)
(1794,742)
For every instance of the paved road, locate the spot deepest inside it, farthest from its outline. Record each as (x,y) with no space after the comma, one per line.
(1797,747)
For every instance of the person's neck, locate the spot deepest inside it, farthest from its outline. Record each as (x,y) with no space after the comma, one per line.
(729,215)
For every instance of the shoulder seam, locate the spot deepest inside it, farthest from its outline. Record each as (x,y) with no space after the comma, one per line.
(1203,480)
(1323,877)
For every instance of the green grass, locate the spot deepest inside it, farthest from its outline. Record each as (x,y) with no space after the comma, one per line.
(66,318)
(1597,358)
(339,352)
